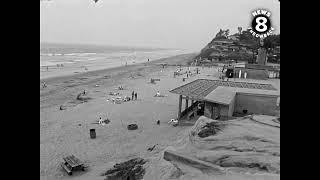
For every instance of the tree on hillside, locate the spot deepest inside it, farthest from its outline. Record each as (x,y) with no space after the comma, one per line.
(222,34)
(226,33)
(240,30)
(219,34)
(270,42)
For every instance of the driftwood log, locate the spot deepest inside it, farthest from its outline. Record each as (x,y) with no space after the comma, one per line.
(128,170)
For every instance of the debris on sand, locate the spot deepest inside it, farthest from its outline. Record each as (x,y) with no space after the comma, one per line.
(132,170)
(210,129)
(151,148)
(82,97)
(114,93)
(119,100)
(62,107)
(132,127)
(102,122)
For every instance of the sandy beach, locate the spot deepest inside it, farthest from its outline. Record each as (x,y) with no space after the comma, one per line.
(65,132)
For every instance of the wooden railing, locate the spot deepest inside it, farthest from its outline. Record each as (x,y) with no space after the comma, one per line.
(185,112)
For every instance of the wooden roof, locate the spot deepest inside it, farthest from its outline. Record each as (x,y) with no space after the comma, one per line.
(200,88)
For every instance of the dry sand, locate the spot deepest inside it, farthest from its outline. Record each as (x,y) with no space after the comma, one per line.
(65,132)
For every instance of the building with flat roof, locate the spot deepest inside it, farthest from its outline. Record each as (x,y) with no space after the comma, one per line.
(216,98)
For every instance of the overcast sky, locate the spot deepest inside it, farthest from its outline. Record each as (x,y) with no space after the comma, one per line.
(187,24)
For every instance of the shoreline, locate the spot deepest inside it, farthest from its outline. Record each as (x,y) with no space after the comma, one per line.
(58,77)
(61,88)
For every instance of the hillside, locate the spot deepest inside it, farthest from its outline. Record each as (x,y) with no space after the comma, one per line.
(241,46)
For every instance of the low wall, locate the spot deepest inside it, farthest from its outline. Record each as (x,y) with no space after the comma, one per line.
(257,104)
(224,110)
(196,163)
(231,107)
(252,73)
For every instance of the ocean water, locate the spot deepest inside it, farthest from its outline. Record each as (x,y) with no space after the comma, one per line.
(109,56)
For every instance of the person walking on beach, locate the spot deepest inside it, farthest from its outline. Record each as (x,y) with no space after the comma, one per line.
(136,95)
(44,85)
(132,95)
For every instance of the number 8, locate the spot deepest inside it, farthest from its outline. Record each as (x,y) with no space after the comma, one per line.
(263,24)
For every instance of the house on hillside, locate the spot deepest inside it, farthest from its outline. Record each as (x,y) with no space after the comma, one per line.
(234,37)
(223,42)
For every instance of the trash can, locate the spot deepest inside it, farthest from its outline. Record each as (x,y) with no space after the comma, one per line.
(92,133)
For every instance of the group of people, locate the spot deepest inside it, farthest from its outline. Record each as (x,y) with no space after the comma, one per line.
(134,95)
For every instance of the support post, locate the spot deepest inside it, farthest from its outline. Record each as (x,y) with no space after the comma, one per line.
(187,101)
(180,104)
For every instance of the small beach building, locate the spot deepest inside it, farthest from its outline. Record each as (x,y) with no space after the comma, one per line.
(218,99)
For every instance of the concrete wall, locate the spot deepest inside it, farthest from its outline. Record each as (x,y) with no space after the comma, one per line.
(257,104)
(252,73)
(224,110)
(231,107)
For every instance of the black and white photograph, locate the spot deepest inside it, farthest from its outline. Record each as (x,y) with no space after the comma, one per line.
(160,89)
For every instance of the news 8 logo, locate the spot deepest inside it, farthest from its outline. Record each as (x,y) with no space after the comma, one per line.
(261,23)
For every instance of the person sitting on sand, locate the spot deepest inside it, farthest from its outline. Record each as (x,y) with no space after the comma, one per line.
(173,121)
(100,120)
(158,94)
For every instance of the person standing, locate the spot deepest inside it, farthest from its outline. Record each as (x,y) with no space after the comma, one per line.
(136,95)
(132,95)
